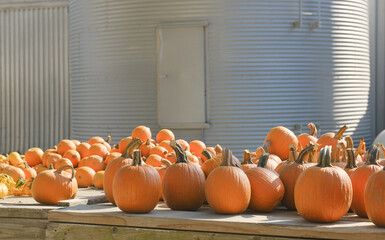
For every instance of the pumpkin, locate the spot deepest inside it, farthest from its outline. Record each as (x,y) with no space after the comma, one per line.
(323,193)
(191,157)
(136,187)
(332,139)
(73,156)
(158,150)
(308,138)
(161,170)
(98,179)
(123,144)
(15,159)
(292,157)
(52,186)
(98,149)
(335,157)
(2,166)
(361,150)
(351,165)
(111,157)
(197,147)
(359,178)
(374,198)
(172,157)
(165,134)
(183,185)
(29,173)
(154,160)
(51,158)
(14,172)
(228,189)
(39,168)
(64,146)
(280,138)
(267,190)
(94,161)
(270,164)
(76,142)
(213,162)
(210,150)
(184,144)
(33,156)
(290,174)
(247,163)
(62,161)
(141,132)
(146,147)
(166,144)
(107,143)
(84,176)
(96,139)
(260,150)
(3,190)
(114,165)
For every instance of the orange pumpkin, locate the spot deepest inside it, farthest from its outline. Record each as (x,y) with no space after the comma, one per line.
(98,149)
(210,150)
(114,165)
(336,157)
(64,146)
(280,138)
(33,156)
(137,187)
(227,187)
(111,157)
(95,139)
(14,172)
(141,132)
(172,157)
(292,157)
(39,168)
(270,164)
(247,163)
(165,134)
(98,179)
(94,161)
(332,139)
(161,170)
(158,150)
(183,183)
(84,176)
(82,149)
(61,162)
(154,160)
(76,142)
(124,143)
(191,157)
(29,173)
(374,198)
(52,186)
(51,158)
(146,147)
(267,189)
(323,193)
(166,144)
(73,156)
(291,173)
(308,138)
(359,178)
(213,162)
(184,144)
(197,147)
(15,159)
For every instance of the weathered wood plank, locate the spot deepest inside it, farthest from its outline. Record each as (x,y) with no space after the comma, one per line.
(25,211)
(18,228)
(56,231)
(279,223)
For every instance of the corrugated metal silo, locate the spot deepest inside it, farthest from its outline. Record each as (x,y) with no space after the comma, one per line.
(267,63)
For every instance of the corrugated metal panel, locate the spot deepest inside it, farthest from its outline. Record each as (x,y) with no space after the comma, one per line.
(262,72)
(34,76)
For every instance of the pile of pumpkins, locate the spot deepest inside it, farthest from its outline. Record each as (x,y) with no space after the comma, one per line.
(322,178)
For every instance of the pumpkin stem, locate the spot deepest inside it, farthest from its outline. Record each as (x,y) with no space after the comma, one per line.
(341,132)
(108,139)
(344,156)
(371,155)
(50,167)
(299,147)
(207,154)
(260,149)
(266,146)
(293,153)
(351,159)
(303,153)
(218,149)
(262,162)
(324,159)
(26,165)
(335,155)
(134,144)
(360,150)
(246,157)
(179,151)
(349,142)
(148,142)
(228,159)
(165,162)
(61,168)
(137,158)
(382,150)
(313,129)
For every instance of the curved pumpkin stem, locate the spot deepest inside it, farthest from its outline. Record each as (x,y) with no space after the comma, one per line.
(218,149)
(335,154)
(262,162)
(137,158)
(246,157)
(299,147)
(61,168)
(351,159)
(313,129)
(179,151)
(166,163)
(371,155)
(266,146)
(341,132)
(228,159)
(349,142)
(293,153)
(50,167)
(361,149)
(134,144)
(303,153)
(207,154)
(108,140)
(324,159)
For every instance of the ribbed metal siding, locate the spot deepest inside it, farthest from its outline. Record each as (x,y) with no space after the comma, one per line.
(262,72)
(34,74)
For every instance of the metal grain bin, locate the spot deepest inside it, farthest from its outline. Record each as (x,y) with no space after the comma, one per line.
(266,63)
